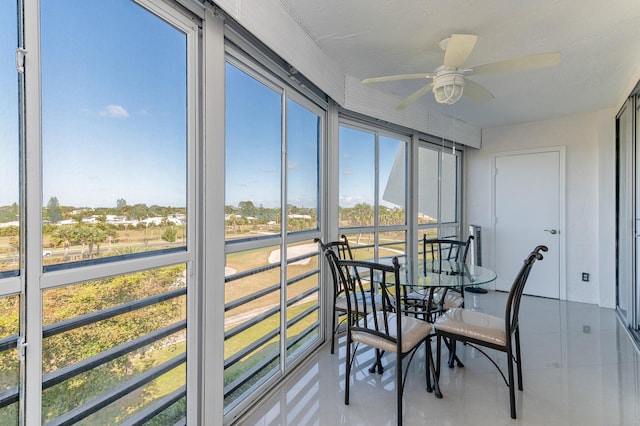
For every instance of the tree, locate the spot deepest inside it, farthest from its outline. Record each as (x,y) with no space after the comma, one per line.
(53,210)
(247,209)
(121,203)
(139,211)
(109,230)
(169,234)
(63,235)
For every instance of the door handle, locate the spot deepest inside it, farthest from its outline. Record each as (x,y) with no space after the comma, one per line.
(552,231)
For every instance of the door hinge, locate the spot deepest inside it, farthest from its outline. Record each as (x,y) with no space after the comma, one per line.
(21,345)
(20,55)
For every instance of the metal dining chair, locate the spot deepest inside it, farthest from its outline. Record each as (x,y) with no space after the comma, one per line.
(381,324)
(479,330)
(342,249)
(440,250)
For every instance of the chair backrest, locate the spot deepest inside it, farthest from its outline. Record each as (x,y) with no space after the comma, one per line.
(341,247)
(362,280)
(515,293)
(444,249)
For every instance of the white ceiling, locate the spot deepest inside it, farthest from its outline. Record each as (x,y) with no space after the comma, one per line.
(599,41)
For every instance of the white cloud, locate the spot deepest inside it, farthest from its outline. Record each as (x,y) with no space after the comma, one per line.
(115,111)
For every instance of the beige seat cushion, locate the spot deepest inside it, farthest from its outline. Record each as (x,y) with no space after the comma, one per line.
(413,331)
(341,302)
(476,325)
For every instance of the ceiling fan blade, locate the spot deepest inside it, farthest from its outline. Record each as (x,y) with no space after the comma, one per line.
(476,92)
(458,50)
(396,77)
(415,96)
(541,60)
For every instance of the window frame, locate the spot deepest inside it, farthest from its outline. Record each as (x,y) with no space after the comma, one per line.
(246,58)
(40,281)
(348,121)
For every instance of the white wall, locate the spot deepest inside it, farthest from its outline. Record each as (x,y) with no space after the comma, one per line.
(590,194)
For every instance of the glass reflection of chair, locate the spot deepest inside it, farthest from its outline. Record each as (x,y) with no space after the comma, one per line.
(342,249)
(478,329)
(381,324)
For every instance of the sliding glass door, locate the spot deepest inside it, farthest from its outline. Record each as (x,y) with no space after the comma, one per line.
(628,215)
(97,162)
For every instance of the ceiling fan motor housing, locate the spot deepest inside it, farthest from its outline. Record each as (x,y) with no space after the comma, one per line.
(448,85)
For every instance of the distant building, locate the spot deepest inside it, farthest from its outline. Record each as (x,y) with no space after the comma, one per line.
(299,216)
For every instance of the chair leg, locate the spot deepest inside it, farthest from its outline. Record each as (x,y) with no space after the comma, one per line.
(518,359)
(452,353)
(512,391)
(431,370)
(333,331)
(377,364)
(427,349)
(399,387)
(438,356)
(453,356)
(347,373)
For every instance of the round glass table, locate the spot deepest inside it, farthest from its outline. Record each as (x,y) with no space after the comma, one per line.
(443,273)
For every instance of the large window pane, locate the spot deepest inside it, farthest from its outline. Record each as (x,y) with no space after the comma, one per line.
(252,320)
(449,188)
(260,186)
(9,142)
(113,131)
(438,193)
(253,156)
(105,325)
(357,178)
(303,143)
(381,218)
(428,198)
(393,181)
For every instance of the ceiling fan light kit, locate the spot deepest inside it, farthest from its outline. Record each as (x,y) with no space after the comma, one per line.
(449,79)
(448,86)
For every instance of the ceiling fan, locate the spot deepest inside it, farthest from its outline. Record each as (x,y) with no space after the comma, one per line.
(449,80)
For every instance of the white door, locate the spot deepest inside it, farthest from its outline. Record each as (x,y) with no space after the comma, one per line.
(527,206)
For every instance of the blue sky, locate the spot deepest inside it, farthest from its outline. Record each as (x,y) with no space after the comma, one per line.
(113,105)
(253,149)
(114,118)
(357,167)
(9,189)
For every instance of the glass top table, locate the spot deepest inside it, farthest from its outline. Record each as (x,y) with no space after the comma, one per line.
(442,273)
(422,279)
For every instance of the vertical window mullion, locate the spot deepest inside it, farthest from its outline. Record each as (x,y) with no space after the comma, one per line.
(376,195)
(284,241)
(32,189)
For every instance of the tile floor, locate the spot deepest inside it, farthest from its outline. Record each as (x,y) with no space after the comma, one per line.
(579,365)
